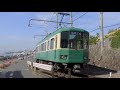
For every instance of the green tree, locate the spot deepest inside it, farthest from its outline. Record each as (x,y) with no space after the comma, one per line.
(98,35)
(111,30)
(115,40)
(92,39)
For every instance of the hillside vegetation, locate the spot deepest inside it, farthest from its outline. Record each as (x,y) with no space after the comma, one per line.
(113,36)
(115,40)
(111,56)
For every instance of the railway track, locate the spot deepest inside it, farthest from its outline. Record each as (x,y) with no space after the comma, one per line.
(50,73)
(59,74)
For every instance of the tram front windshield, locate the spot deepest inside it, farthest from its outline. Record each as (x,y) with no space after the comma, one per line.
(74,40)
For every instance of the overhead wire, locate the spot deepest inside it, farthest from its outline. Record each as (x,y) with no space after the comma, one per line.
(106,27)
(80,16)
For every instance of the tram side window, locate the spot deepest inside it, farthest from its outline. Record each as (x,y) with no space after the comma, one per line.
(64,39)
(48,45)
(41,47)
(80,35)
(45,46)
(56,43)
(37,49)
(52,44)
(86,40)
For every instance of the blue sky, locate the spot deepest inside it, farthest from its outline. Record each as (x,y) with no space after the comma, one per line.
(16,35)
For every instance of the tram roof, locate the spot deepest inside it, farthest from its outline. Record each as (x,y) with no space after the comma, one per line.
(61,30)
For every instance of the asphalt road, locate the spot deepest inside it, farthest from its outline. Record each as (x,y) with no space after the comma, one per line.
(21,70)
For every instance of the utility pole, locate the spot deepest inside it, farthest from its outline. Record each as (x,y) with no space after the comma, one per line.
(71,21)
(102,33)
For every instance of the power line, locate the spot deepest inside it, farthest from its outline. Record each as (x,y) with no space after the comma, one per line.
(106,27)
(29,25)
(47,25)
(95,29)
(80,16)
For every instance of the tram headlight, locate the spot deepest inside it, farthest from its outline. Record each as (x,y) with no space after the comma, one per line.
(85,58)
(63,56)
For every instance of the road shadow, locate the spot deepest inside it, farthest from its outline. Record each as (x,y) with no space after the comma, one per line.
(95,70)
(12,74)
